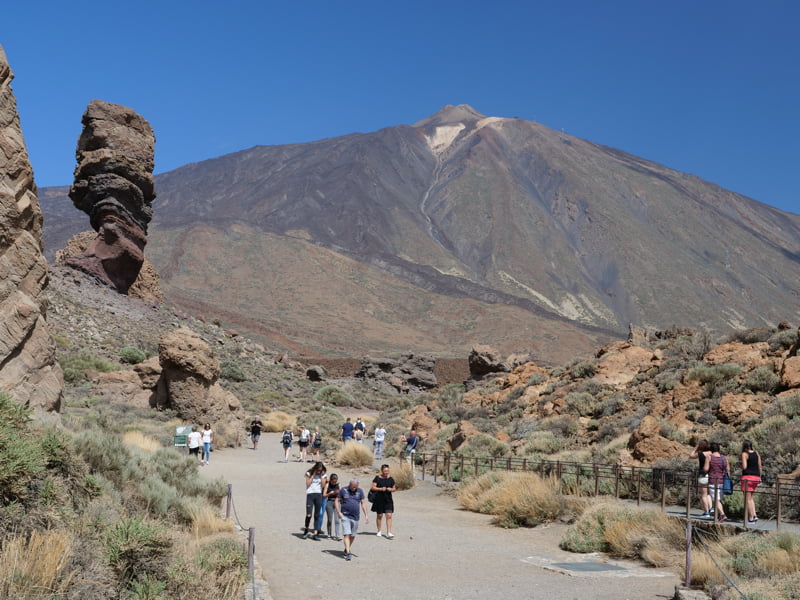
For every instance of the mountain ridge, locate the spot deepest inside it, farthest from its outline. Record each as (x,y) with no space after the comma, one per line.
(497,210)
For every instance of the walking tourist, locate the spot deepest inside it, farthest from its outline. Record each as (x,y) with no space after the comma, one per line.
(255,431)
(377,446)
(346,431)
(303,441)
(383,485)
(349,504)
(208,439)
(716,467)
(702,453)
(194,440)
(315,483)
(329,507)
(751,477)
(286,442)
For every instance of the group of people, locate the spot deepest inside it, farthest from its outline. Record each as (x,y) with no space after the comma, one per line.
(714,468)
(306,439)
(199,443)
(343,505)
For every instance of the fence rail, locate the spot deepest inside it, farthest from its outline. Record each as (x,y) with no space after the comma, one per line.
(778,498)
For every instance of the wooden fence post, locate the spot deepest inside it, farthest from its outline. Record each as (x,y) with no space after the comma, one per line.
(778,501)
(229,502)
(688,574)
(689,478)
(663,491)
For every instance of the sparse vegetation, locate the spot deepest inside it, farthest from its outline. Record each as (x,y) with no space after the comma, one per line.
(131,355)
(354,454)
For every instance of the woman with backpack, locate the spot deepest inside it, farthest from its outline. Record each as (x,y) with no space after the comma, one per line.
(316,444)
(751,477)
(286,442)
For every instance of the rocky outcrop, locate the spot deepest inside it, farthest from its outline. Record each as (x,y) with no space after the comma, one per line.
(619,362)
(29,372)
(147,285)
(188,384)
(409,373)
(648,445)
(114,186)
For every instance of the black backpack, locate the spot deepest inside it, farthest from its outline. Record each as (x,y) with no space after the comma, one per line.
(287,438)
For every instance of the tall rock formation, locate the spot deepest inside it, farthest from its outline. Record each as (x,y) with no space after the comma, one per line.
(29,372)
(114,186)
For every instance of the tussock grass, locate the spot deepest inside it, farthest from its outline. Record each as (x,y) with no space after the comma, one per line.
(403,476)
(277,421)
(704,573)
(515,499)
(206,521)
(354,454)
(37,566)
(137,439)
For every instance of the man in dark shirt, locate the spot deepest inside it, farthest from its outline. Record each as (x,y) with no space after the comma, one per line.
(346,432)
(255,431)
(349,503)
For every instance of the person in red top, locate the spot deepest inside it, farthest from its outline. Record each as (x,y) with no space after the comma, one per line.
(751,477)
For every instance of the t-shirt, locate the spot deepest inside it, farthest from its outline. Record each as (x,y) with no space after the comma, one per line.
(347,429)
(350,502)
(381,482)
(380,434)
(304,435)
(194,439)
(315,487)
(411,443)
(255,427)
(207,434)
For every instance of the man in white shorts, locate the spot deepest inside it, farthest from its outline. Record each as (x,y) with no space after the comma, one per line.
(349,504)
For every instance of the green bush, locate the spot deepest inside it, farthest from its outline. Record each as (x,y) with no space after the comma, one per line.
(330,394)
(716,379)
(582,369)
(484,445)
(232,370)
(21,456)
(76,364)
(580,403)
(762,379)
(135,547)
(131,355)
(543,442)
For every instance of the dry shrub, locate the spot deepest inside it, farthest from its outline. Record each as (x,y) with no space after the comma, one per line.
(277,421)
(403,476)
(704,572)
(37,566)
(206,521)
(354,454)
(137,439)
(649,535)
(515,499)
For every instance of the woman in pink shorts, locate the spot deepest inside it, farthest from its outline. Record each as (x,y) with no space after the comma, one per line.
(751,477)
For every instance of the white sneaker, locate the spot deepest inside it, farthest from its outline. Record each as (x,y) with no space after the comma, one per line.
(379,534)
(390,535)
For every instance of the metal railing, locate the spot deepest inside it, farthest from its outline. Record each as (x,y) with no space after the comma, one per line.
(778,498)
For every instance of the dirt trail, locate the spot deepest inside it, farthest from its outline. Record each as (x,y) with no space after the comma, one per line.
(440,552)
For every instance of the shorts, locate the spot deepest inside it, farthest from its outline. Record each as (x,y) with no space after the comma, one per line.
(303,444)
(750,482)
(194,451)
(715,489)
(349,526)
(255,436)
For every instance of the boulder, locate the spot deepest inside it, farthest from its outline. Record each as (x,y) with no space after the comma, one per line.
(735,409)
(748,356)
(315,373)
(484,360)
(29,372)
(114,186)
(647,445)
(619,362)
(790,372)
(410,372)
(188,384)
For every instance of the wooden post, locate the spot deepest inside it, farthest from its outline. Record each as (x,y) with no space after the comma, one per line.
(447,458)
(596,480)
(689,478)
(663,492)
(524,464)
(616,482)
(251,550)
(778,503)
(638,487)
(476,466)
(461,475)
(578,479)
(435,466)
(688,575)
(229,503)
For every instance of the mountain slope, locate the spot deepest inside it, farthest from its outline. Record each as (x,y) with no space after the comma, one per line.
(462,229)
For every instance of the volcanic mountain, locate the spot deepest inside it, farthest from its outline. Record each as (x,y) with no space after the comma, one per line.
(456,230)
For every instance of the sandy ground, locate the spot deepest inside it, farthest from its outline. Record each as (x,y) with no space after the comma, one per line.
(441,552)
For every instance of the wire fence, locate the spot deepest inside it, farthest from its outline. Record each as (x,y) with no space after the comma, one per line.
(230,507)
(777,499)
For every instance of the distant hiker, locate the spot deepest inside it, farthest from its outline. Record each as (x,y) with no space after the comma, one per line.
(329,508)
(411,441)
(255,431)
(316,443)
(346,431)
(702,454)
(358,435)
(315,483)
(377,447)
(383,485)
(208,439)
(303,441)
(359,426)
(286,442)
(349,504)
(751,477)
(716,467)
(194,441)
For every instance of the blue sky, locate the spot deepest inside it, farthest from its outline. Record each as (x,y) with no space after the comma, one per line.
(711,88)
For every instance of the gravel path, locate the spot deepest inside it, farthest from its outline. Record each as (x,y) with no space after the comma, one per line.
(440,552)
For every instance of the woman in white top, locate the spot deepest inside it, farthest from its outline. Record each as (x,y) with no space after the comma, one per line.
(208,438)
(377,447)
(316,481)
(194,441)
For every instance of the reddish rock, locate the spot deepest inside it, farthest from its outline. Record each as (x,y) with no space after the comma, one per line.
(647,445)
(748,356)
(790,372)
(619,362)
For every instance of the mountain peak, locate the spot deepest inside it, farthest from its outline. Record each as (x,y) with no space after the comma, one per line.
(463,113)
